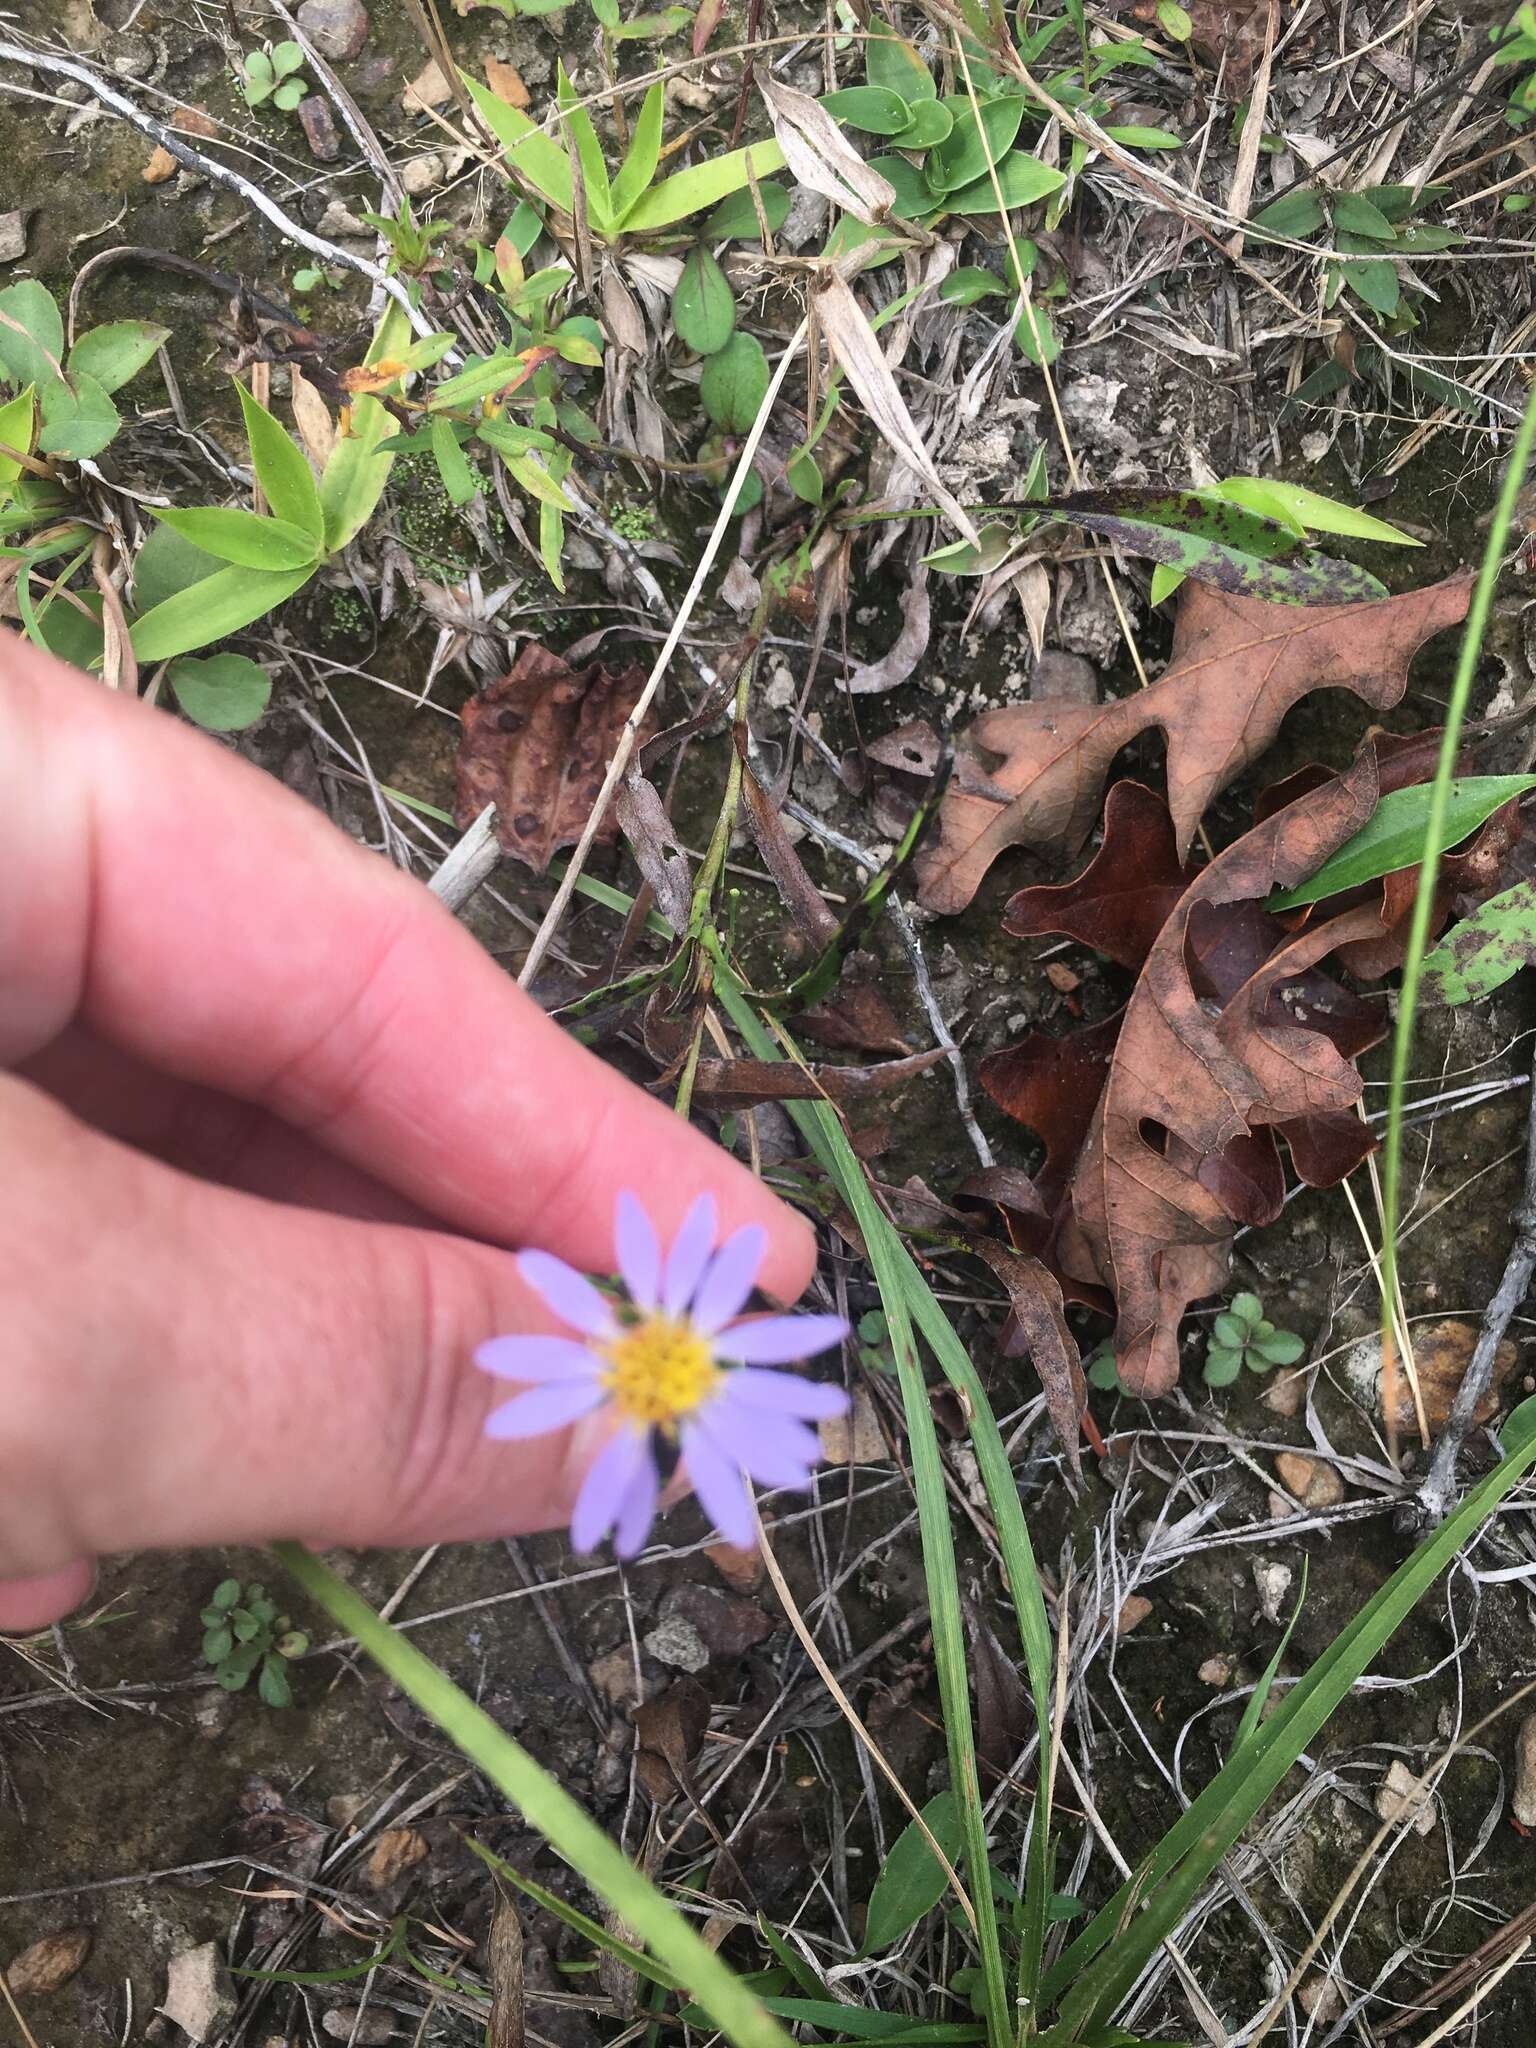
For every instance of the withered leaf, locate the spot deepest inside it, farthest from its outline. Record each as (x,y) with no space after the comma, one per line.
(397,1851)
(1123,898)
(1052,1086)
(1239,665)
(1038,1326)
(1005,1718)
(504,1967)
(537,745)
(48,1964)
(668,1732)
(741,1084)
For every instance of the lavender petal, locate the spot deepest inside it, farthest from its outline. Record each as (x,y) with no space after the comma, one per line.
(775,1450)
(779,1340)
(728,1279)
(568,1293)
(718,1483)
(544,1409)
(637,1510)
(537,1358)
(785,1393)
(689,1256)
(639,1252)
(605,1488)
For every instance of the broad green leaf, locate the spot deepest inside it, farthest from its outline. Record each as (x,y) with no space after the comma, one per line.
(18,427)
(357,471)
(1165,582)
(529,151)
(1421,239)
(803,475)
(1021,179)
(31,334)
(77,422)
(735,219)
(224,692)
(749,494)
(579,339)
(1374,279)
(1222,1365)
(219,605)
(869,107)
(1174,20)
(218,1641)
(931,123)
(703,310)
(166,563)
(1283,1347)
(1396,835)
(1310,510)
(524,227)
(734,382)
(272,1684)
(913,199)
(701,185)
(1355,214)
(509,438)
(1481,953)
(1249,1309)
(505,370)
(1296,216)
(642,157)
(651,28)
(892,63)
(459,479)
(960,558)
(239,536)
(282,469)
(589,153)
(965,287)
(287,57)
(1035,334)
(543,285)
(116,352)
(1231,1330)
(537,482)
(911,1880)
(74,635)
(962,158)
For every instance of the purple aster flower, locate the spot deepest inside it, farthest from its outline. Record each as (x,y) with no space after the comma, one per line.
(674,1363)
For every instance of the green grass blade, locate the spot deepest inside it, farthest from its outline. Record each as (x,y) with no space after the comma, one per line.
(546,1806)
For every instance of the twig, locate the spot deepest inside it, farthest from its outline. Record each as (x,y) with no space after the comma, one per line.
(901,917)
(1433,1501)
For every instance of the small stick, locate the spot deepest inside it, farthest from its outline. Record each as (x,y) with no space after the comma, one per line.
(1434,1499)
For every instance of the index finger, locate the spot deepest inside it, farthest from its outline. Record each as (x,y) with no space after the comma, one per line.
(183,904)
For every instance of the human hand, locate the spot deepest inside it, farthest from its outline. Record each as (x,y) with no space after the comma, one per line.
(268,1114)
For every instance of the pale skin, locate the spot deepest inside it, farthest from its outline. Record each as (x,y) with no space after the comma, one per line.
(272,1124)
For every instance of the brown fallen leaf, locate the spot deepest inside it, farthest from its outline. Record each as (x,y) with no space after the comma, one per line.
(742,1084)
(668,1733)
(506,81)
(395,1852)
(1183,1084)
(1441,1355)
(537,745)
(1037,1326)
(1134,1609)
(48,1964)
(1052,1086)
(1005,1717)
(1030,774)
(193,121)
(1123,898)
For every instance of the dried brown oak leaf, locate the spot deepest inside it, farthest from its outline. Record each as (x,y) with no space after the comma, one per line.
(1238,667)
(537,745)
(1184,1084)
(1125,895)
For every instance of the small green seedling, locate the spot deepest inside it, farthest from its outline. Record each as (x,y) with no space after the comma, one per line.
(274,73)
(244,1633)
(1244,1335)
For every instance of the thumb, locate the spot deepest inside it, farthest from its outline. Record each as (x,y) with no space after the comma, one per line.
(187,1364)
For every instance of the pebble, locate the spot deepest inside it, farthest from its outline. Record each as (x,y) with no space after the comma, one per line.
(1216,1671)
(1273,1582)
(423,174)
(199,1993)
(1314,1483)
(13,235)
(1401,1794)
(337,28)
(1523,1805)
(1134,1610)
(364,2028)
(319,128)
(339,221)
(678,1643)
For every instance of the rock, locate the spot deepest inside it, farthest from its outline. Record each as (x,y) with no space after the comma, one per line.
(1273,1582)
(13,235)
(199,1997)
(742,1569)
(365,2027)
(855,1439)
(1314,1483)
(1286,1393)
(213,1713)
(739,588)
(1216,1671)
(1134,1610)
(1321,1999)
(616,1679)
(396,1851)
(1059,674)
(338,222)
(161,165)
(1402,1796)
(193,121)
(48,1964)
(1523,1804)
(373,76)
(319,128)
(429,88)
(342,1808)
(727,1625)
(678,1643)
(423,174)
(337,28)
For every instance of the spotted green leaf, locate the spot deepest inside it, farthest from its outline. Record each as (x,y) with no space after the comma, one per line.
(1484,950)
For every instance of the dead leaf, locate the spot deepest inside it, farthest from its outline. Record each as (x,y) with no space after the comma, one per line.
(818,154)
(537,745)
(858,1018)
(1441,1355)
(742,1084)
(429,88)
(1052,1085)
(506,81)
(855,1438)
(311,415)
(705,22)
(801,898)
(161,165)
(1005,1718)
(668,1732)
(1030,774)
(504,1968)
(659,853)
(742,1569)
(904,652)
(1401,1797)
(395,1852)
(1124,897)
(1037,1327)
(48,1964)
(1134,1609)
(193,121)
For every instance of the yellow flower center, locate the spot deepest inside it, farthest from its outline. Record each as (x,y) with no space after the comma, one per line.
(659,1370)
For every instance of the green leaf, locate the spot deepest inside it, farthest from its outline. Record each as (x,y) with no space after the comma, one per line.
(292,1643)
(459,480)
(931,123)
(18,428)
(749,494)
(734,383)
(891,63)
(703,310)
(1174,21)
(1296,216)
(226,1594)
(213,608)
(31,334)
(869,107)
(524,226)
(218,1641)
(116,352)
(1034,333)
(1165,581)
(589,154)
(962,158)
(224,693)
(1355,214)
(259,76)
(287,58)
(77,423)
(165,564)
(233,1677)
(510,439)
(289,94)
(246,1626)
(579,339)
(644,153)
(480,379)
(1145,138)
(1374,279)
(802,473)
(701,185)
(651,28)
(1481,953)
(1231,1330)
(1021,180)
(282,469)
(735,219)
(273,1684)
(1103,1372)
(357,472)
(961,558)
(1221,1365)
(1248,1308)
(1395,836)
(527,149)
(537,482)
(1283,1348)
(235,535)
(971,283)
(1310,511)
